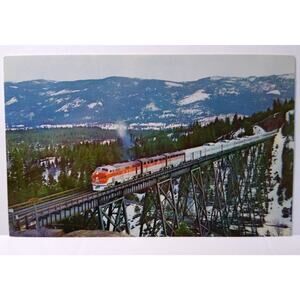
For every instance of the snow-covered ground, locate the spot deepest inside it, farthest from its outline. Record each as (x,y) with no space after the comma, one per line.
(274,92)
(53,170)
(94,104)
(207,120)
(61,92)
(199,95)
(134,211)
(228,91)
(171,84)
(166,115)
(71,105)
(11,101)
(155,126)
(275,224)
(288,114)
(258,130)
(238,132)
(134,218)
(289,143)
(151,107)
(190,111)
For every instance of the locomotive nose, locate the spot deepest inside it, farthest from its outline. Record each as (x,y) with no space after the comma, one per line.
(95,175)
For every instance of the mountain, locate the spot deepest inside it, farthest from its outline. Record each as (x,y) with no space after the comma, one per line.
(134,100)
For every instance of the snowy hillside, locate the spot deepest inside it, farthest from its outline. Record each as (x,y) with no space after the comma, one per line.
(278,220)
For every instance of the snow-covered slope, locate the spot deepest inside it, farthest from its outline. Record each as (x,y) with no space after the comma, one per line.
(258,130)
(275,223)
(195,97)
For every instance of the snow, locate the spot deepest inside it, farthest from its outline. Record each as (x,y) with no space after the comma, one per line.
(166,115)
(64,108)
(173,84)
(277,153)
(288,114)
(54,170)
(274,92)
(266,86)
(238,132)
(58,100)
(290,144)
(93,104)
(228,91)
(11,101)
(207,120)
(258,130)
(199,95)
(77,102)
(190,111)
(134,216)
(148,126)
(176,125)
(215,77)
(50,160)
(56,126)
(133,222)
(155,126)
(274,220)
(151,107)
(61,92)
(232,80)
(74,104)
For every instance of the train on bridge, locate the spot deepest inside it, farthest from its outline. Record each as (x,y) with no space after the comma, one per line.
(108,175)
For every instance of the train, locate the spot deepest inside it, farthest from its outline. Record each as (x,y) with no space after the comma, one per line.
(109,175)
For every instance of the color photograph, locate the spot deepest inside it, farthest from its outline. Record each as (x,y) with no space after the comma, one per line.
(149,145)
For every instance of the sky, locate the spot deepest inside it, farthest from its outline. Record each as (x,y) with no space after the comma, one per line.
(165,67)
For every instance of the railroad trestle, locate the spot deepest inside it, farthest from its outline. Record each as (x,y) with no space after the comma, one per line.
(225,194)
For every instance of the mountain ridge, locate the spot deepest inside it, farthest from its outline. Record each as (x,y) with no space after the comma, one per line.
(118,98)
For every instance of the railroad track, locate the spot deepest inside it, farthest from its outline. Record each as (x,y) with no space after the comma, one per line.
(36,209)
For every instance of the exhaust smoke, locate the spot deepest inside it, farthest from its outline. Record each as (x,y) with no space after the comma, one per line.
(125,138)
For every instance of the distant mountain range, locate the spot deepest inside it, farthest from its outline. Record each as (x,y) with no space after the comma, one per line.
(133,100)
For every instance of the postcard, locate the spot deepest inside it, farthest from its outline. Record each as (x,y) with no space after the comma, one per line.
(150,145)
